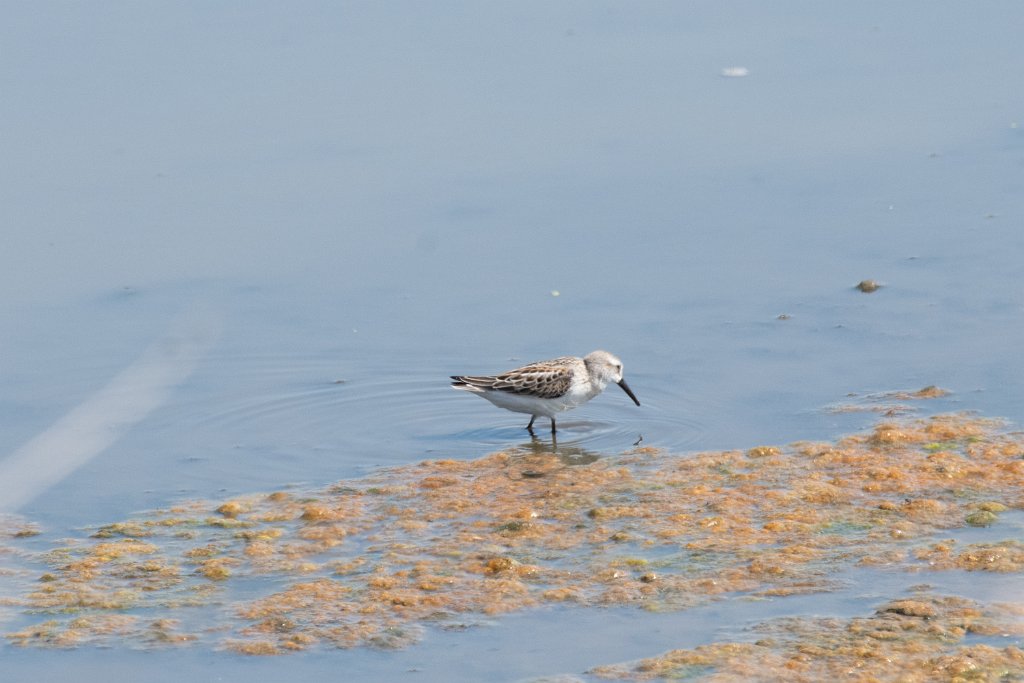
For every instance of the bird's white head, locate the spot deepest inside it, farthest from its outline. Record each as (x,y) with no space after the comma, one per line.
(605,368)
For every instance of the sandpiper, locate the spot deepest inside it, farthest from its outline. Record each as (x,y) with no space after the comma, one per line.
(549,386)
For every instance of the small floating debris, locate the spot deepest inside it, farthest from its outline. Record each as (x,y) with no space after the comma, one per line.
(868,286)
(735,72)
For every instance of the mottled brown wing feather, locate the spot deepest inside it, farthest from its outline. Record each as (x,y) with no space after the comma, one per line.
(545,380)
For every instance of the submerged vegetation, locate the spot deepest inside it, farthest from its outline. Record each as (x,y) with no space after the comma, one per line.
(372,562)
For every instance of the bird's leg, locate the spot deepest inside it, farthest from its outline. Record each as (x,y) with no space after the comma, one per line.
(529,427)
(553,430)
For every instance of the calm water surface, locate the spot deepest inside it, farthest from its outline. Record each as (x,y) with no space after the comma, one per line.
(245,245)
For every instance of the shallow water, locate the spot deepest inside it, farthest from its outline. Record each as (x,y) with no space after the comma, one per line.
(523,646)
(249,244)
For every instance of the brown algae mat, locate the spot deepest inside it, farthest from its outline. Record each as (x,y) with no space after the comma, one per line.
(445,543)
(912,641)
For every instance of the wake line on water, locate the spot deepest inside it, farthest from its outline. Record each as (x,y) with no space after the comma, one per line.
(95,424)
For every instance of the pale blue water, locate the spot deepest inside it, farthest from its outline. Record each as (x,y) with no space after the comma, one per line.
(337,205)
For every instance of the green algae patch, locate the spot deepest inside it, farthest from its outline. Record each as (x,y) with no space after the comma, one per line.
(925,638)
(372,562)
(981,518)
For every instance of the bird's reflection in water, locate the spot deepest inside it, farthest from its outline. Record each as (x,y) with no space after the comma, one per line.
(539,457)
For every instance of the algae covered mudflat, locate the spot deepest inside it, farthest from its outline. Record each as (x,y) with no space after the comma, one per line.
(928,638)
(446,543)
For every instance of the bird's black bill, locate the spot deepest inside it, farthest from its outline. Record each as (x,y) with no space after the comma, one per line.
(629,392)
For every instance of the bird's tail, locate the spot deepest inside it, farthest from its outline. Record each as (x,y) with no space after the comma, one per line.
(467,383)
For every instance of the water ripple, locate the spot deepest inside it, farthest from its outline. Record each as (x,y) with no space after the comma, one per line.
(309,398)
